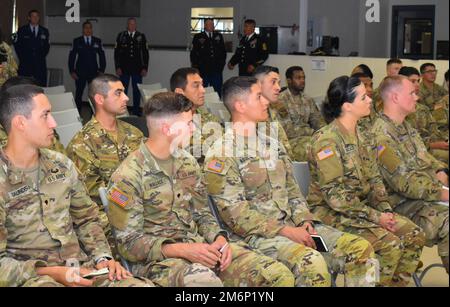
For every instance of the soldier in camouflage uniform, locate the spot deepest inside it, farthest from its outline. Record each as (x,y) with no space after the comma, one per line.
(49,229)
(347,190)
(298,113)
(8,65)
(260,201)
(269,78)
(415,180)
(188,82)
(158,206)
(430,92)
(104,142)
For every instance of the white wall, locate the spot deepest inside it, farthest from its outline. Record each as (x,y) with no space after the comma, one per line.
(164,63)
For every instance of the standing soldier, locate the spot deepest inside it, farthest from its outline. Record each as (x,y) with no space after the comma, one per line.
(252,51)
(131,58)
(83,65)
(32,46)
(208,55)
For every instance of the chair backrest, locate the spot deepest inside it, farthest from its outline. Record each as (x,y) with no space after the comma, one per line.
(55,76)
(67,132)
(319,101)
(105,202)
(138,122)
(61,102)
(209,89)
(147,94)
(60,89)
(151,87)
(302,176)
(66,117)
(219,110)
(212,98)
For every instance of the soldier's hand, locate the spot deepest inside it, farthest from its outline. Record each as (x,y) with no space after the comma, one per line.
(298,235)
(444,195)
(222,245)
(250,69)
(74,76)
(388,222)
(439,145)
(119,72)
(443,178)
(144,72)
(309,228)
(230,66)
(116,270)
(67,276)
(202,253)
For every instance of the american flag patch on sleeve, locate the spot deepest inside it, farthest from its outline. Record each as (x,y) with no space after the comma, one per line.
(216,166)
(119,198)
(325,154)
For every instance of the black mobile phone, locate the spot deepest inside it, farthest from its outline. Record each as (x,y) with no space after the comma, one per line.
(320,244)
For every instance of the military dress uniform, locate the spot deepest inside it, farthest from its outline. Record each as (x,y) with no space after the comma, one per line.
(10,66)
(32,47)
(83,61)
(431,97)
(256,195)
(300,118)
(251,51)
(409,173)
(154,202)
(209,55)
(347,192)
(97,153)
(131,56)
(48,219)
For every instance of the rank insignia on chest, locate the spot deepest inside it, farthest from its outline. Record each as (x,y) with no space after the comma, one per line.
(119,198)
(325,154)
(216,166)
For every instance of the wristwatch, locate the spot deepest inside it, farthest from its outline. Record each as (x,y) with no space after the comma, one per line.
(101,259)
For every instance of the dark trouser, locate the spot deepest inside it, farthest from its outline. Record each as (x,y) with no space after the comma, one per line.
(135,80)
(80,85)
(214,79)
(36,70)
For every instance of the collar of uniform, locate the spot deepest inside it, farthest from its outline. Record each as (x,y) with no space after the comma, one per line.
(251,36)
(301,95)
(399,128)
(153,165)
(103,132)
(31,28)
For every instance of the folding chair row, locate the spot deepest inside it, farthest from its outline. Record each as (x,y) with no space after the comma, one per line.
(62,102)
(60,89)
(67,132)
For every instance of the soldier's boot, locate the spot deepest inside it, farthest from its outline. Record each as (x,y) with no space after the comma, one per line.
(361,266)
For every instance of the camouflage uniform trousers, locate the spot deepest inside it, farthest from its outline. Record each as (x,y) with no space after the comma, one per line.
(299,148)
(398,253)
(433,219)
(47,281)
(247,269)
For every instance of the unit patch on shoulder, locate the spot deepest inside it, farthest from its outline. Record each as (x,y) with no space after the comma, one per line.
(325,154)
(119,198)
(216,166)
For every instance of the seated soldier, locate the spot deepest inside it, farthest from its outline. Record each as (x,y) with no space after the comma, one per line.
(48,223)
(56,144)
(158,207)
(187,81)
(105,141)
(301,116)
(347,190)
(430,92)
(249,175)
(414,179)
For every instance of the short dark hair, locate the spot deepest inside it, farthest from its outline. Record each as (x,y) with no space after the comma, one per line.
(19,80)
(17,100)
(423,67)
(131,18)
(340,91)
(360,75)
(250,22)
(408,71)
(394,61)
(208,19)
(236,87)
(264,70)
(179,77)
(290,71)
(166,104)
(100,85)
(366,70)
(33,11)
(87,22)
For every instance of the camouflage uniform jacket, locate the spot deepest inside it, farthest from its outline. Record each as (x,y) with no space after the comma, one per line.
(440,114)
(256,194)
(10,69)
(97,155)
(149,208)
(408,169)
(49,222)
(431,97)
(346,186)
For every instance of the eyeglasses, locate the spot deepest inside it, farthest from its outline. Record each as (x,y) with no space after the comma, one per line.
(431,72)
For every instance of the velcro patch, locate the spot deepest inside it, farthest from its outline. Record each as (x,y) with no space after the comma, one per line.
(389,160)
(119,198)
(325,154)
(216,166)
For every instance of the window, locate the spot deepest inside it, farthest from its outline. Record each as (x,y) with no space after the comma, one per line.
(223,19)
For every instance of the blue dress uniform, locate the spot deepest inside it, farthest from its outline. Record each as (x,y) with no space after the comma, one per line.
(208,55)
(251,51)
(32,49)
(131,56)
(83,62)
